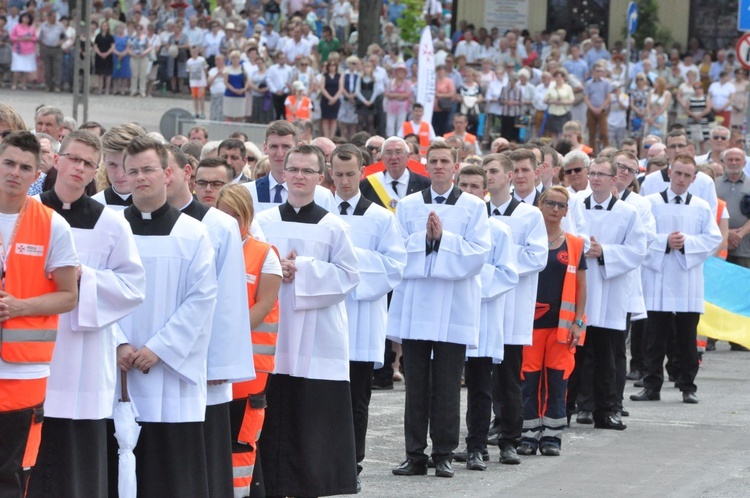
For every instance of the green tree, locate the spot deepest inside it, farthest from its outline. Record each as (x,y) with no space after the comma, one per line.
(649,25)
(412,22)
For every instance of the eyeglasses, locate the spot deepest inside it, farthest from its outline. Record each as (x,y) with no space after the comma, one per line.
(573,170)
(562,206)
(625,168)
(78,160)
(719,137)
(599,174)
(398,153)
(203,184)
(304,171)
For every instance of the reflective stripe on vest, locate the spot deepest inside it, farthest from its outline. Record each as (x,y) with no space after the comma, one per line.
(719,212)
(570,288)
(29,339)
(264,337)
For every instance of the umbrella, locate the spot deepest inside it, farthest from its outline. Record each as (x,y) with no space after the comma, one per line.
(127,431)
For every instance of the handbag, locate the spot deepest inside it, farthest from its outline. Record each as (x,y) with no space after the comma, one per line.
(445,103)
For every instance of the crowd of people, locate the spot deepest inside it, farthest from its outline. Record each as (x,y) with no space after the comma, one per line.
(248,297)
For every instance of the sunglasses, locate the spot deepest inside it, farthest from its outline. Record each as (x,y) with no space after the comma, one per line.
(251,158)
(719,137)
(573,170)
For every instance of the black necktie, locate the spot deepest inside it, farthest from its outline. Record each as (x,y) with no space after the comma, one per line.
(598,206)
(343,207)
(523,201)
(394,184)
(277,196)
(496,212)
(678,200)
(440,199)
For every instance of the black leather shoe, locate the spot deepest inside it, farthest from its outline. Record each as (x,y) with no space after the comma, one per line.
(610,421)
(443,468)
(634,375)
(638,383)
(549,450)
(410,468)
(474,462)
(461,456)
(382,387)
(585,417)
(509,455)
(646,395)
(690,398)
(624,412)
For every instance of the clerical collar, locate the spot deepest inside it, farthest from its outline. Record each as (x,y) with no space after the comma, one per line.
(57,204)
(83,213)
(309,213)
(352,202)
(153,215)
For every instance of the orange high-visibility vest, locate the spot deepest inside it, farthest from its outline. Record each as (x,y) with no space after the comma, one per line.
(724,252)
(29,339)
(467,138)
(264,337)
(423,134)
(303,111)
(570,288)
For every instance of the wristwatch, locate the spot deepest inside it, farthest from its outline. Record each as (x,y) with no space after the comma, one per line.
(580,323)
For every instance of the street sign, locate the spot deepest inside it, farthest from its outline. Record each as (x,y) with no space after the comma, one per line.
(743,15)
(633,17)
(743,50)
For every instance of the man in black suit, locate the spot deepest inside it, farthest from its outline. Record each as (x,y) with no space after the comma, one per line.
(386,188)
(233,151)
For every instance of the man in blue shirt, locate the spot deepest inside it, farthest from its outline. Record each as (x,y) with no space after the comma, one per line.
(575,65)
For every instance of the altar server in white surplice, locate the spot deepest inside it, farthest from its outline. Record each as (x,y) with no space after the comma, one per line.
(114,142)
(529,236)
(499,275)
(381,259)
(618,246)
(230,349)
(434,312)
(72,458)
(627,169)
(163,344)
(658,181)
(686,236)
(309,403)
(272,190)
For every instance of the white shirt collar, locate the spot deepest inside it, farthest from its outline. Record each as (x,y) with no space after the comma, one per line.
(604,204)
(403,180)
(352,202)
(529,199)
(502,207)
(671,196)
(435,194)
(272,182)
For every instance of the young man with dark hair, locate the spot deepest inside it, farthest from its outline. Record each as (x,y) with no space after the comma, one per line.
(39,270)
(81,388)
(163,344)
(381,260)
(309,400)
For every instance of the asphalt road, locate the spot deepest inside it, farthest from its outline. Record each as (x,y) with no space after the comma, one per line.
(668,449)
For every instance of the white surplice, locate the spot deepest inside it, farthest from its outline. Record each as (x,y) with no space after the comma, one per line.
(313,339)
(499,275)
(230,351)
(673,281)
(637,305)
(439,298)
(623,239)
(175,319)
(381,260)
(81,385)
(530,247)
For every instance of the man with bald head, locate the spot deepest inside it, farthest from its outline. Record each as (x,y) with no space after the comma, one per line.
(499,145)
(326,145)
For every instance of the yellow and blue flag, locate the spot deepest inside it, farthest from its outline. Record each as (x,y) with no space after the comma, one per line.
(727,315)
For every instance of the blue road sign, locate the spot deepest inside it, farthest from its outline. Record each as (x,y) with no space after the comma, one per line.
(743,16)
(633,16)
